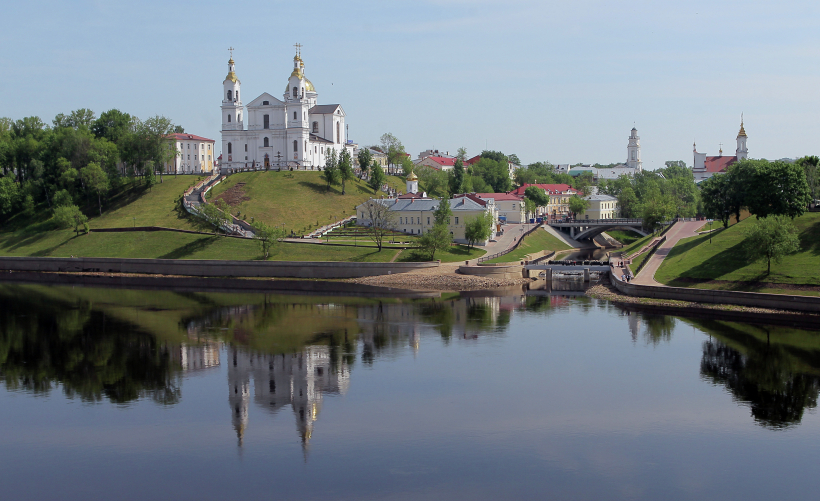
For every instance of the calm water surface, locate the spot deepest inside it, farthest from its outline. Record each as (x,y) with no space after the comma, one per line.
(128,394)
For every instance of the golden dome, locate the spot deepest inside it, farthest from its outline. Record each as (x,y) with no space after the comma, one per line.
(412,177)
(308,84)
(232,77)
(230,61)
(742,132)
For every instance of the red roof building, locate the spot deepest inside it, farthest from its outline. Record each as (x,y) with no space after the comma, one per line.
(194,154)
(438,163)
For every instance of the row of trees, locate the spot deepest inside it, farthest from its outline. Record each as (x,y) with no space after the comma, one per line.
(79,157)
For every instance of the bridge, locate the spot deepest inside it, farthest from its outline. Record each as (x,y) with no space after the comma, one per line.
(582,229)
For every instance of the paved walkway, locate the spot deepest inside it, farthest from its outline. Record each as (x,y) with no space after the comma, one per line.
(678,231)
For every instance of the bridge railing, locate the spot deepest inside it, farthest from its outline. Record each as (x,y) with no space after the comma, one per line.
(624,220)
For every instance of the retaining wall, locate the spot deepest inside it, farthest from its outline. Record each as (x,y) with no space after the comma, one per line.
(753,299)
(497,271)
(210,267)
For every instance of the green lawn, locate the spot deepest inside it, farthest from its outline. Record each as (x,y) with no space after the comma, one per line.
(156,206)
(695,259)
(636,263)
(636,245)
(454,254)
(300,200)
(625,237)
(537,241)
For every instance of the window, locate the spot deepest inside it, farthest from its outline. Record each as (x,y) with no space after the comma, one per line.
(294,115)
(229,149)
(456,219)
(266,121)
(229,119)
(428,220)
(303,92)
(189,146)
(338,135)
(295,143)
(305,146)
(267,142)
(230,98)
(237,95)
(418,220)
(209,147)
(295,90)
(265,103)
(246,146)
(315,127)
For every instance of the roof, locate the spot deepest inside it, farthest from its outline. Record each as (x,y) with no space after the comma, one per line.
(412,195)
(324,109)
(472,160)
(602,198)
(428,204)
(718,164)
(189,137)
(499,196)
(552,189)
(316,139)
(443,161)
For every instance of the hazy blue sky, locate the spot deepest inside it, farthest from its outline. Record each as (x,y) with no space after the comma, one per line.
(558,81)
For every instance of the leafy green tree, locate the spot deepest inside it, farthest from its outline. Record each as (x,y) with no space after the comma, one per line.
(331,172)
(771,238)
(443,213)
(462,154)
(577,205)
(267,236)
(178,129)
(584,182)
(377,176)
(95,182)
(513,158)
(457,177)
(69,215)
(9,195)
(393,148)
(63,198)
(717,203)
(657,209)
(345,168)
(811,167)
(436,239)
(365,158)
(537,195)
(778,188)
(628,202)
(478,228)
(435,182)
(212,217)
(494,173)
(530,207)
(28,205)
(381,221)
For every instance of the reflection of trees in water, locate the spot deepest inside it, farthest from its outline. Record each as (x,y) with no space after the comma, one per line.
(93,357)
(658,328)
(765,378)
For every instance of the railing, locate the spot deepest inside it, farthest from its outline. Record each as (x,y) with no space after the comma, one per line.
(595,221)
(510,249)
(649,256)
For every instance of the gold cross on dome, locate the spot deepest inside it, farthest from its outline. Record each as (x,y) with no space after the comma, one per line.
(231,49)
(298,49)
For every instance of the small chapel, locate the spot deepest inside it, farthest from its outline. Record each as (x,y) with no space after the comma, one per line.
(705,166)
(292,133)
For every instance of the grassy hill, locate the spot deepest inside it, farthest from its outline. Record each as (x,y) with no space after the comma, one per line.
(694,262)
(299,200)
(534,242)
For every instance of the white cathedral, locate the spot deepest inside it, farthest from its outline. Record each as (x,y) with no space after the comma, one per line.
(293,133)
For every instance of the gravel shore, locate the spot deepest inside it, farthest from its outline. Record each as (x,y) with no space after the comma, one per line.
(443,278)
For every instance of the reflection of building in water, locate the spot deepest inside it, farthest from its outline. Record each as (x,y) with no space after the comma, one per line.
(299,380)
(634,321)
(204,355)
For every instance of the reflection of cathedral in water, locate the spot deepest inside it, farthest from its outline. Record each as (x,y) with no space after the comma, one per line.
(298,379)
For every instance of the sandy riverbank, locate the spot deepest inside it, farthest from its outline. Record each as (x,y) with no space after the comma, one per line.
(443,279)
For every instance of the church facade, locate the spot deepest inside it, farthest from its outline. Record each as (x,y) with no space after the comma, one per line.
(705,166)
(294,133)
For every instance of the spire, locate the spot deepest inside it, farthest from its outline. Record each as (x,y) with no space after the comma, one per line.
(231,69)
(742,132)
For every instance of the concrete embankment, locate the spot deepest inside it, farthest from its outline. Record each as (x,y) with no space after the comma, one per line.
(211,267)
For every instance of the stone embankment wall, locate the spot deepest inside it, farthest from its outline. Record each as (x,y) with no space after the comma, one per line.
(500,271)
(210,268)
(754,299)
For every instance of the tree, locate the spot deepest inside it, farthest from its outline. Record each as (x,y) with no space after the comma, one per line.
(457,177)
(628,202)
(478,228)
(392,147)
(577,205)
(462,154)
(771,238)
(442,213)
(584,182)
(810,165)
(493,172)
(436,239)
(377,176)
(345,167)
(778,188)
(178,129)
(716,198)
(68,215)
(331,172)
(657,209)
(530,207)
(364,158)
(267,236)
(382,221)
(212,216)
(95,182)
(63,198)
(9,195)
(537,195)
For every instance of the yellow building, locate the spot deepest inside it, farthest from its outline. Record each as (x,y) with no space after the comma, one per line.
(602,207)
(194,154)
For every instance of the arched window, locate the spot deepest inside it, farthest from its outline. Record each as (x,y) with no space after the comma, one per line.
(266,121)
(246,147)
(295,146)
(294,115)
(295,91)
(303,92)
(230,98)
(305,146)
(267,143)
(315,127)
(229,119)
(230,149)
(338,135)
(237,95)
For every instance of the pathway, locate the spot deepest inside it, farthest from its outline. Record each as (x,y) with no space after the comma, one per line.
(678,231)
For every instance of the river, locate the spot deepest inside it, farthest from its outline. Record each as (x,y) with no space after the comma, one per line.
(540,394)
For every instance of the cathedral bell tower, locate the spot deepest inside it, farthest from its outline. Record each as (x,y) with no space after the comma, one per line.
(231,102)
(742,153)
(633,151)
(297,106)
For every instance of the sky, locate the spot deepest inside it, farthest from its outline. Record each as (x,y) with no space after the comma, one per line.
(562,82)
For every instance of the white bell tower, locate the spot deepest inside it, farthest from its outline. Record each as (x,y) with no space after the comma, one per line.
(231,102)
(741,152)
(633,151)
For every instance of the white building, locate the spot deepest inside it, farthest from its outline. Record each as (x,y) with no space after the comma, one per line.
(705,166)
(602,207)
(194,154)
(292,133)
